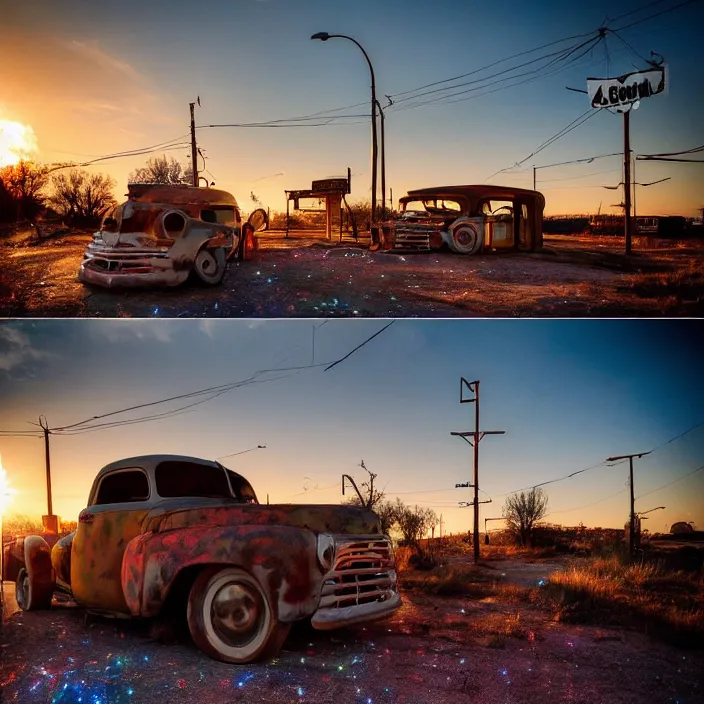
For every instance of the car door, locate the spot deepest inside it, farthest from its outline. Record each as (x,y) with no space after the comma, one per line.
(118,507)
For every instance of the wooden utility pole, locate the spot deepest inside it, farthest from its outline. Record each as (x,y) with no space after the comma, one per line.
(47,460)
(627,178)
(632,515)
(194,149)
(476,436)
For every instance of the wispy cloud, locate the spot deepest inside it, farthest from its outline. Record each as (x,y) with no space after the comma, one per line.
(16,348)
(92,52)
(119,331)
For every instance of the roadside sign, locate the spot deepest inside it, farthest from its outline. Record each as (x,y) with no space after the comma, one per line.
(334,185)
(627,89)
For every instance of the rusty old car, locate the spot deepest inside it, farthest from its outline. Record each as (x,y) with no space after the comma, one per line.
(170,536)
(164,233)
(467,220)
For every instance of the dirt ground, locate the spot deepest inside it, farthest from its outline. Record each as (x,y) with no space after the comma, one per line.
(432,650)
(303,277)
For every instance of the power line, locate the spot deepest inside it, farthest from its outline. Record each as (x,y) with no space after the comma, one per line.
(369,339)
(657,14)
(604,463)
(560,53)
(593,503)
(636,11)
(444,99)
(698,469)
(491,65)
(565,130)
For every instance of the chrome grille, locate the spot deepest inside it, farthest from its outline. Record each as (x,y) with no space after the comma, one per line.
(412,237)
(363,573)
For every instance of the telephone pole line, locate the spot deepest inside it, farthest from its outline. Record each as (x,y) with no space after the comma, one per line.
(50,523)
(632,516)
(194,148)
(476,436)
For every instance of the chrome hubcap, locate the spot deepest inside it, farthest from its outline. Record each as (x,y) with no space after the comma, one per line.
(206,263)
(237,613)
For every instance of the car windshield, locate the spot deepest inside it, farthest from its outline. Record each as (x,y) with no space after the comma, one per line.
(432,205)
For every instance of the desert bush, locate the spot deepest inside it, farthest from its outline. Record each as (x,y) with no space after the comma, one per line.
(686,284)
(612,590)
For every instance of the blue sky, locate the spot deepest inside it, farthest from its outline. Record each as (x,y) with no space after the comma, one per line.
(567,393)
(120,75)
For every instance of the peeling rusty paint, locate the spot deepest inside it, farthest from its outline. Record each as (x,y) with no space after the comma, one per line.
(328,562)
(282,557)
(135,246)
(96,558)
(437,227)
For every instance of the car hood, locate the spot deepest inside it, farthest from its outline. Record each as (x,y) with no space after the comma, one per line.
(173,514)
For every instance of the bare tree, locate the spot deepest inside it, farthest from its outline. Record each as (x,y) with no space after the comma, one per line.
(370,496)
(522,511)
(24,181)
(162,170)
(79,193)
(414,523)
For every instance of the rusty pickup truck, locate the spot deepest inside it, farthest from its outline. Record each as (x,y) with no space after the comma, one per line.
(164,233)
(175,536)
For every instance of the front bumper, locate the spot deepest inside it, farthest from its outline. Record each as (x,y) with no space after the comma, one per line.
(114,272)
(361,586)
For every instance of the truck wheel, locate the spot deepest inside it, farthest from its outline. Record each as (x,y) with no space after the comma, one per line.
(31,596)
(209,265)
(230,617)
(464,238)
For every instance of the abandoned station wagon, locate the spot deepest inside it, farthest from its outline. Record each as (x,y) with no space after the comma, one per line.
(163,233)
(164,534)
(467,219)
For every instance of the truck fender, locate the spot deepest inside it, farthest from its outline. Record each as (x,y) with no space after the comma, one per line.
(35,580)
(282,558)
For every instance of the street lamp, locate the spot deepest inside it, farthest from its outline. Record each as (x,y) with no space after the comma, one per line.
(642,513)
(324,36)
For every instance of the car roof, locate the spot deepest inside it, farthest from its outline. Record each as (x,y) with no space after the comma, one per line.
(149,461)
(477,191)
(178,194)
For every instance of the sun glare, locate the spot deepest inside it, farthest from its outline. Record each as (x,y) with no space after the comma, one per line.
(6,492)
(17,141)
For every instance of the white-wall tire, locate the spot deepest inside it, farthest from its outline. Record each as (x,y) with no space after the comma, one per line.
(28,596)
(209,265)
(465,237)
(231,618)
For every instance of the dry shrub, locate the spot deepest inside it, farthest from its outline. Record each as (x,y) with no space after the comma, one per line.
(645,596)
(403,556)
(686,284)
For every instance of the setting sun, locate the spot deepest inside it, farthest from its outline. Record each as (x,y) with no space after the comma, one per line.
(6,492)
(17,141)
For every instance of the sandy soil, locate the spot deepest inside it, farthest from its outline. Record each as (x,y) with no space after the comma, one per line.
(433,650)
(299,277)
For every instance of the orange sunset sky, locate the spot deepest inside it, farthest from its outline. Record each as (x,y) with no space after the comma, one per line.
(84,80)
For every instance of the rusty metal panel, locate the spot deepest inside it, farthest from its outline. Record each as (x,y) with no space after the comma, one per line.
(96,557)
(283,558)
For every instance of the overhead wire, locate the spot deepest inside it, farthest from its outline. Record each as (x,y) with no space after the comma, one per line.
(445,98)
(647,493)
(657,14)
(604,463)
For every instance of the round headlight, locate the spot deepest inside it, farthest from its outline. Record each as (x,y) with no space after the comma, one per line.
(326,551)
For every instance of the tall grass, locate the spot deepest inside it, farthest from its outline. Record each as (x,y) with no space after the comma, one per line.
(648,597)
